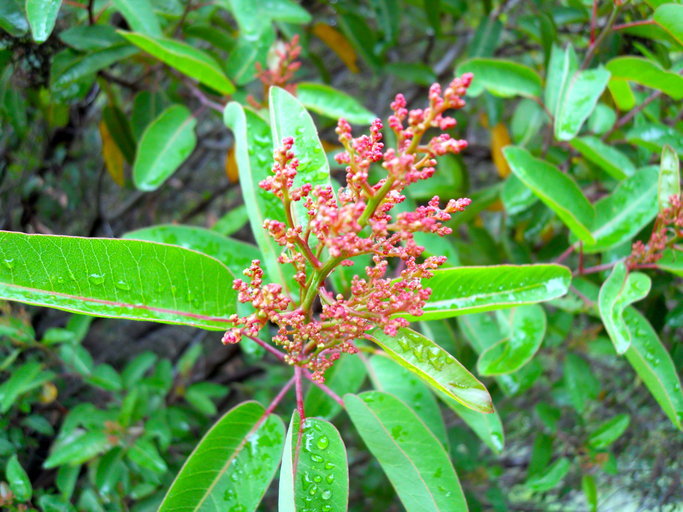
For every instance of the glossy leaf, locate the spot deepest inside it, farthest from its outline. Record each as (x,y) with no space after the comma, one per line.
(233,464)
(607,157)
(502,78)
(346,376)
(557,190)
(12,18)
(24,378)
(524,331)
(145,454)
(234,254)
(18,480)
(90,37)
(254,152)
(289,118)
(590,490)
(462,290)
(117,279)
(609,431)
(487,427)
(621,289)
(390,377)
(653,364)
(77,448)
(42,15)
(670,17)
(577,100)
(622,214)
(561,66)
(672,261)
(164,146)
(622,94)
(314,473)
(646,72)
(112,156)
(435,366)
(413,459)
(654,136)
(330,102)
(140,16)
(551,477)
(76,66)
(187,59)
(669,177)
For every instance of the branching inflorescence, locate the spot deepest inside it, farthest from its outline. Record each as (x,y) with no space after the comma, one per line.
(668,230)
(355,221)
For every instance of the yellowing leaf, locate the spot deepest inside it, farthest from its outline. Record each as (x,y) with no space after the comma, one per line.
(48,393)
(500,137)
(113,157)
(231,166)
(338,44)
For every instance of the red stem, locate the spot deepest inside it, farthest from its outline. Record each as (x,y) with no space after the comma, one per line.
(594,17)
(633,24)
(269,348)
(278,398)
(298,372)
(334,396)
(565,254)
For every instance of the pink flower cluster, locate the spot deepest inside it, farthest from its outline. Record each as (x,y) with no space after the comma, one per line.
(667,231)
(318,326)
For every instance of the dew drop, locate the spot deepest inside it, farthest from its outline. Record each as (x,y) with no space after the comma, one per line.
(9,263)
(330,465)
(313,490)
(96,279)
(317,479)
(60,280)
(323,442)
(329,479)
(326,508)
(326,494)
(238,508)
(122,285)
(316,458)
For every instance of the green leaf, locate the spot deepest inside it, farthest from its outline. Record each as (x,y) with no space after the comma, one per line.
(254,152)
(590,490)
(147,106)
(346,376)
(621,289)
(654,136)
(485,38)
(580,383)
(577,100)
(622,214)
(12,17)
(416,72)
(145,454)
(361,36)
(42,15)
(550,477)
(104,376)
(672,261)
(608,158)
(653,364)
(524,331)
(165,145)
(314,473)
(622,94)
(557,190)
(77,448)
(389,377)
(234,254)
(646,72)
(188,60)
(26,377)
(487,427)
(289,118)
(91,37)
(18,480)
(502,78)
(75,66)
(670,17)
(435,366)
(233,464)
(462,290)
(609,431)
(411,456)
(241,64)
(669,177)
(140,16)
(561,66)
(116,279)
(330,102)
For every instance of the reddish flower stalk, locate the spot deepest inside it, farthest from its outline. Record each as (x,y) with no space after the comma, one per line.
(667,231)
(355,221)
(282,66)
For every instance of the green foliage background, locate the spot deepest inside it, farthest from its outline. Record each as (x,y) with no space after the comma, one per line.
(112,126)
